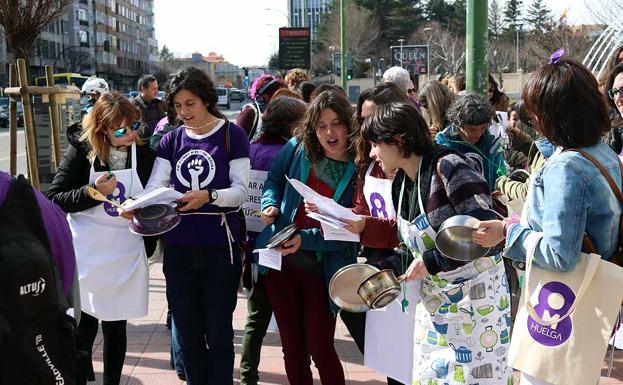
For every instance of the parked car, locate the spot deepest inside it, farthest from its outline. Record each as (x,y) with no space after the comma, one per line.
(223,97)
(4,115)
(236,95)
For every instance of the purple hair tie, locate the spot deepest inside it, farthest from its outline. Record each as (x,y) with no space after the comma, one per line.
(553,59)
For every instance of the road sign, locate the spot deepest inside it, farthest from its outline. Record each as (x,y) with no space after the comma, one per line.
(414,58)
(294,48)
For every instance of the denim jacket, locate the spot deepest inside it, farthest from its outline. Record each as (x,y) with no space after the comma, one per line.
(568,197)
(279,193)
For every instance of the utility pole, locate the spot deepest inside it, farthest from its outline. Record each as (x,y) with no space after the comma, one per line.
(401,41)
(343,46)
(477,68)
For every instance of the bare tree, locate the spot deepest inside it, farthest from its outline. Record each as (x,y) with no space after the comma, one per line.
(446,50)
(605,11)
(496,20)
(501,57)
(23,21)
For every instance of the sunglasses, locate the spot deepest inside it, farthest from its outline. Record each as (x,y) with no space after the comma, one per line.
(612,93)
(121,131)
(411,91)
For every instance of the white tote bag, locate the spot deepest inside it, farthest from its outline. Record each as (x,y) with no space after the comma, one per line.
(565,320)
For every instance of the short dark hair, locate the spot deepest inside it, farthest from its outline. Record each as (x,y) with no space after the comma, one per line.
(399,124)
(616,70)
(281,116)
(145,81)
(306,90)
(199,83)
(306,130)
(564,98)
(459,82)
(327,87)
(384,93)
(470,109)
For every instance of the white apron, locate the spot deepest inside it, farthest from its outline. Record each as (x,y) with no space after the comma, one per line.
(389,331)
(462,318)
(111,261)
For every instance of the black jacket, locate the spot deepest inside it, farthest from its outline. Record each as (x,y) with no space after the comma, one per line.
(68,189)
(150,121)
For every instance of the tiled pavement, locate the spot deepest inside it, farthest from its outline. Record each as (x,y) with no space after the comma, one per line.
(147,359)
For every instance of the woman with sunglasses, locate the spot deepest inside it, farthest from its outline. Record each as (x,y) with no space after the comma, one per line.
(614,96)
(206,159)
(468,133)
(106,154)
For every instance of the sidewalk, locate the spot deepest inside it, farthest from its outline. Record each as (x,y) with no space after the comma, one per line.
(147,359)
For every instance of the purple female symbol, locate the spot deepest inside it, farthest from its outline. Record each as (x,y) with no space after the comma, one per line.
(120,197)
(555,299)
(378,205)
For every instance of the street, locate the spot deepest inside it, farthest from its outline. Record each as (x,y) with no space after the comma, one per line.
(231,114)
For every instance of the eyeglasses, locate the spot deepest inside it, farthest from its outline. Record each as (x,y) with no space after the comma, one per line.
(411,91)
(121,131)
(612,93)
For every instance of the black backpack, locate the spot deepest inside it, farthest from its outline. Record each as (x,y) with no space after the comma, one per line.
(37,337)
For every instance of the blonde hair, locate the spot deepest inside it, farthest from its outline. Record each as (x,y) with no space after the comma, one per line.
(110,110)
(295,77)
(438,100)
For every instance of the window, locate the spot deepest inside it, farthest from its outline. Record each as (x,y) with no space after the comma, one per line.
(83,17)
(83,38)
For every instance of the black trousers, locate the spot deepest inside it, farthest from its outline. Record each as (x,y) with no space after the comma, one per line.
(115,344)
(356,325)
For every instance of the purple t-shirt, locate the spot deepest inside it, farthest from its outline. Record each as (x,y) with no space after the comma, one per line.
(201,164)
(57,228)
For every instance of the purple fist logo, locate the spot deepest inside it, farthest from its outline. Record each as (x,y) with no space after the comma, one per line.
(117,196)
(378,206)
(555,299)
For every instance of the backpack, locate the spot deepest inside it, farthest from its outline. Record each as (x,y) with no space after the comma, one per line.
(37,337)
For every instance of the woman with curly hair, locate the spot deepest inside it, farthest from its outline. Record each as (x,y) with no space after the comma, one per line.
(294,78)
(206,159)
(321,156)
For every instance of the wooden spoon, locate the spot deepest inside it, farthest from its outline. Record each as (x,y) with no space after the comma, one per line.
(98,196)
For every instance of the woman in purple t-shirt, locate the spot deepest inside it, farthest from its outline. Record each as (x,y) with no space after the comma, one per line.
(207,159)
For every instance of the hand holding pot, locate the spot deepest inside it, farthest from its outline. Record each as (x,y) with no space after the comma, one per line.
(489,233)
(417,269)
(290,246)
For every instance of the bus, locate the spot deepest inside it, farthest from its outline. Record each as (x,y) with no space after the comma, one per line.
(64,79)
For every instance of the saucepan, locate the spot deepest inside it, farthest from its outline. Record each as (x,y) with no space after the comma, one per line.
(344,284)
(454,239)
(150,220)
(380,289)
(281,236)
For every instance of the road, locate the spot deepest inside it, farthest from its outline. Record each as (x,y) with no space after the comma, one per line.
(231,114)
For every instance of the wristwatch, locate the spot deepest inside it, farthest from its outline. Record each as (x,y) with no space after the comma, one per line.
(213,195)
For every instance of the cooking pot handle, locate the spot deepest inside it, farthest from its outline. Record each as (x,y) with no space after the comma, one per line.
(401,278)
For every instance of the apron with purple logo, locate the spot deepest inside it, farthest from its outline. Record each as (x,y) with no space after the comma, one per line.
(111,261)
(378,194)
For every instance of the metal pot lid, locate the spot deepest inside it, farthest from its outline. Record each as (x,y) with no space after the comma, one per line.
(154,220)
(344,284)
(281,236)
(454,239)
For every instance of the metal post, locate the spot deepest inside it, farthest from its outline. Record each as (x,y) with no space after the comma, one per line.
(373,72)
(517,53)
(343,46)
(54,118)
(477,68)
(12,123)
(401,41)
(29,126)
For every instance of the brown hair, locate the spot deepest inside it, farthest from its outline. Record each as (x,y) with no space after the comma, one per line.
(110,110)
(286,92)
(565,100)
(612,75)
(282,114)
(295,77)
(306,130)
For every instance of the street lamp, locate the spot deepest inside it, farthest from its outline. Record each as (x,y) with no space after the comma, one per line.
(281,12)
(401,41)
(517,28)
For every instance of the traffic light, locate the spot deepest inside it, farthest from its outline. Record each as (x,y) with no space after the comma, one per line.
(246,73)
(349,75)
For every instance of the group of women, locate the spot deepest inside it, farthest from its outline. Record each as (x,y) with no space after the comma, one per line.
(402,175)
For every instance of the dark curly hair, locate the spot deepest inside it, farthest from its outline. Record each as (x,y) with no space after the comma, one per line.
(399,124)
(470,109)
(282,114)
(564,98)
(306,130)
(199,83)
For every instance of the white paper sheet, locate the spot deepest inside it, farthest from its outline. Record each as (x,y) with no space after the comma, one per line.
(334,223)
(158,196)
(270,258)
(389,337)
(326,206)
(330,233)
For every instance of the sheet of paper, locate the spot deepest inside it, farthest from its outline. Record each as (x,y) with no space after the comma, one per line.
(160,195)
(270,258)
(326,206)
(336,224)
(330,233)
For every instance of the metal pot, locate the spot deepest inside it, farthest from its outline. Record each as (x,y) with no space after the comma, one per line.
(281,236)
(154,220)
(380,289)
(454,239)
(344,284)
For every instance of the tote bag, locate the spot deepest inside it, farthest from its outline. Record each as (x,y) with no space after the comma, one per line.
(565,320)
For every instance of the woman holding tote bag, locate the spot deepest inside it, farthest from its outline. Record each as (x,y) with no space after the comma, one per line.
(570,298)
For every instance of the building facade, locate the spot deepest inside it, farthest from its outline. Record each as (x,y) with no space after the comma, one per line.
(220,70)
(113,39)
(307,13)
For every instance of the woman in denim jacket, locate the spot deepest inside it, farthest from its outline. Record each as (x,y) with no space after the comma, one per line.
(568,196)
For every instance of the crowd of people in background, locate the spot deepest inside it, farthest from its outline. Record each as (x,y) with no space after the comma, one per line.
(430,153)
